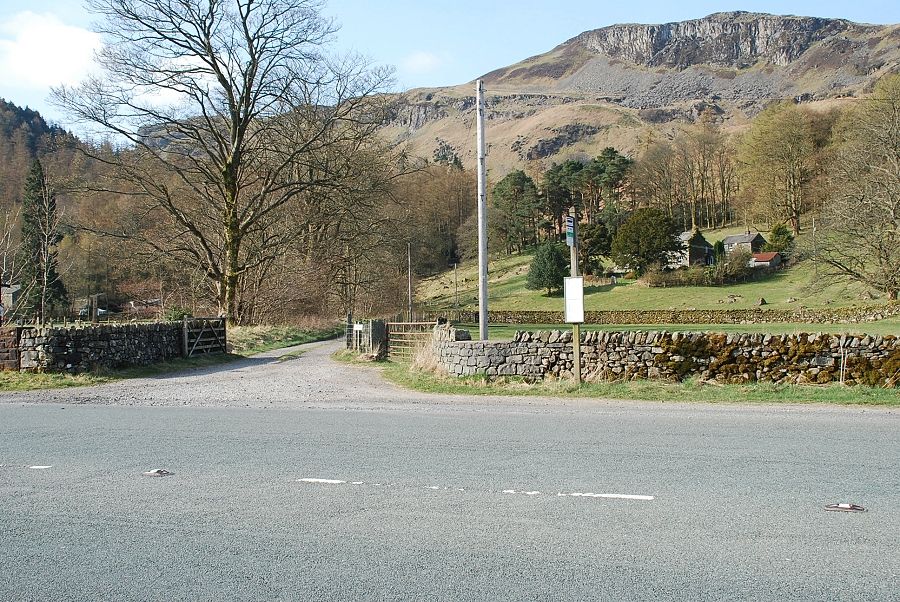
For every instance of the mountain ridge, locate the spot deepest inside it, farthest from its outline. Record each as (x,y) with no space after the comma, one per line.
(614,83)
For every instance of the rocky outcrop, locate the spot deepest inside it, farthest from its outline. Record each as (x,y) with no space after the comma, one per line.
(733,39)
(566,135)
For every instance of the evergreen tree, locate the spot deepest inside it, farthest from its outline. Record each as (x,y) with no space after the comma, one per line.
(44,289)
(516,200)
(595,241)
(780,240)
(648,237)
(548,268)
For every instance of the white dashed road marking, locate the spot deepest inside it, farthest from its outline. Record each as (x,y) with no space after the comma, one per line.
(613,496)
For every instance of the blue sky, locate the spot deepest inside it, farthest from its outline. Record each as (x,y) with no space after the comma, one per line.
(48,42)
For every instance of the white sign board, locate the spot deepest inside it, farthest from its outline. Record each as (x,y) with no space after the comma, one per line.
(574,294)
(359,326)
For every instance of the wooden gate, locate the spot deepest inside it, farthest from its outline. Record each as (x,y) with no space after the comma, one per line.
(203,335)
(404,339)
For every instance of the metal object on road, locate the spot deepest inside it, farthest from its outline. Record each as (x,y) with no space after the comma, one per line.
(158,472)
(844,508)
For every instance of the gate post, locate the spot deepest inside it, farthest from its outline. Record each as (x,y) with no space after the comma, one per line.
(348,332)
(185,349)
(378,338)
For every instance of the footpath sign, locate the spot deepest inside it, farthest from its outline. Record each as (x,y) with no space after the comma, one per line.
(573,290)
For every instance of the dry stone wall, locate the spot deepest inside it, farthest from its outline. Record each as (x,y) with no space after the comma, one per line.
(724,358)
(85,348)
(841,315)
(9,349)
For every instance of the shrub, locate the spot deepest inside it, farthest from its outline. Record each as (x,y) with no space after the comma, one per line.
(175,313)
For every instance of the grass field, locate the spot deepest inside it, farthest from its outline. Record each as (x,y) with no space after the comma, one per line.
(507,290)
(891,326)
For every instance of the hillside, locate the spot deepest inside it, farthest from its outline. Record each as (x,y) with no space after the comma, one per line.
(625,84)
(788,289)
(24,136)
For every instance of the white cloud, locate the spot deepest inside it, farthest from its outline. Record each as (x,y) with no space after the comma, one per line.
(422,62)
(39,51)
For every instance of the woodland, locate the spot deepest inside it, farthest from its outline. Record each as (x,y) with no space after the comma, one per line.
(267,194)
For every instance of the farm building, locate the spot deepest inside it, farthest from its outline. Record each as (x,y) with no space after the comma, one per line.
(696,251)
(766,260)
(751,242)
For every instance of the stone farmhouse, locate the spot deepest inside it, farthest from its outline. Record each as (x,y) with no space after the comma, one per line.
(752,242)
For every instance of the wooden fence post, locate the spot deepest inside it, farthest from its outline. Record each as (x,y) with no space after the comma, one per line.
(185,350)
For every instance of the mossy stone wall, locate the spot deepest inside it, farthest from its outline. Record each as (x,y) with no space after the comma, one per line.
(723,358)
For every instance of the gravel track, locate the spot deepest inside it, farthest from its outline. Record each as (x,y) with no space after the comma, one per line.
(269,379)
(286,379)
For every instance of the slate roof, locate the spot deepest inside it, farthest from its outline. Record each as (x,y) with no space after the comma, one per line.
(740,238)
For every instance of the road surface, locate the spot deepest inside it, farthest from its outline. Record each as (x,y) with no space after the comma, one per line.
(310,480)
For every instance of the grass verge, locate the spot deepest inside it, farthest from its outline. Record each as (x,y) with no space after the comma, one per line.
(405,375)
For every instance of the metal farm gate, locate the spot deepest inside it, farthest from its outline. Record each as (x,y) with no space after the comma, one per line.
(203,335)
(404,339)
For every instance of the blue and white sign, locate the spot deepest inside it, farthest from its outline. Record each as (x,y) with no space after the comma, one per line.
(570,230)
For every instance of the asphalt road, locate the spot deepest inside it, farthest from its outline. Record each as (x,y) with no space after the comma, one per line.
(442,498)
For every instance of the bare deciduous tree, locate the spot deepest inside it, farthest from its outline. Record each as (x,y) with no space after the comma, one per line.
(233,118)
(778,157)
(860,234)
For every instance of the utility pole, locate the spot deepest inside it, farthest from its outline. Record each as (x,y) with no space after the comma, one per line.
(815,252)
(409,280)
(482,219)
(456,286)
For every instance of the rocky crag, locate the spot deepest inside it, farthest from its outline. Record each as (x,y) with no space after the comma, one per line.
(619,84)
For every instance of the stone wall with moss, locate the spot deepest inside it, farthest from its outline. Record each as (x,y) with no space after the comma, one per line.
(840,315)
(723,358)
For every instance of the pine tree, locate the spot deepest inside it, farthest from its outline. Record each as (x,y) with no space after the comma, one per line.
(548,268)
(44,289)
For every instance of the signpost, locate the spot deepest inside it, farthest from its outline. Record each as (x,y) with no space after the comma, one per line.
(574,296)
(574,292)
